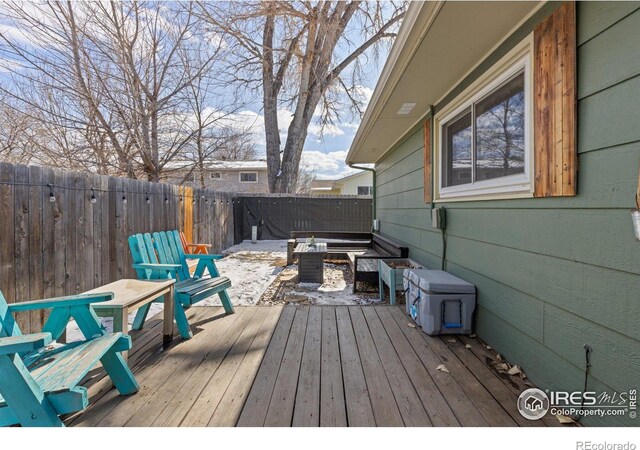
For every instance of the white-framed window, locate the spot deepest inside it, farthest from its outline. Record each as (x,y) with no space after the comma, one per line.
(248,177)
(365,190)
(216,175)
(484,137)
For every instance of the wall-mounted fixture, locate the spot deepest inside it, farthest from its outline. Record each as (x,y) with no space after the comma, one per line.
(438,218)
(406,108)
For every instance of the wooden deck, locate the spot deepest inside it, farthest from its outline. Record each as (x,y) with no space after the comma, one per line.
(306,366)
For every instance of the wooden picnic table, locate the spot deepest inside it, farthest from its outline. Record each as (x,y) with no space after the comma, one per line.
(130,295)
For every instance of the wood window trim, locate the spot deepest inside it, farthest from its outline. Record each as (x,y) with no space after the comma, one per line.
(555,108)
(517,59)
(554,164)
(428,195)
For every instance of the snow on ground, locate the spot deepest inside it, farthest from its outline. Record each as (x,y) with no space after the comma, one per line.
(251,269)
(337,289)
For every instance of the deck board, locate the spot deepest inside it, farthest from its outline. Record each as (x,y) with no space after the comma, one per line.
(332,407)
(228,411)
(486,404)
(255,409)
(280,412)
(203,387)
(306,412)
(305,366)
(358,401)
(171,372)
(385,408)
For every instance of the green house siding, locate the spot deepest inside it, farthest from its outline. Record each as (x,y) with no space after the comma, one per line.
(552,274)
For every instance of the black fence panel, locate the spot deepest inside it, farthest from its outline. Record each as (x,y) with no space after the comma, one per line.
(277,215)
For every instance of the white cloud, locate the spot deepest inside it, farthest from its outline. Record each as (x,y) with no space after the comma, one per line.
(329,130)
(326,166)
(323,162)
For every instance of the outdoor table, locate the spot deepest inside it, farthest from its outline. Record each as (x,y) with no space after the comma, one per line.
(129,295)
(310,262)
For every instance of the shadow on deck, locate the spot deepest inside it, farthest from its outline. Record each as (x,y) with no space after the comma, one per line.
(307,366)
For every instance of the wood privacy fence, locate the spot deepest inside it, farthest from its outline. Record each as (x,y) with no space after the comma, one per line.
(79,241)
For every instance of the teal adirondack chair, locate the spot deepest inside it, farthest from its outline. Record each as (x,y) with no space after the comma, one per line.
(39,378)
(161,256)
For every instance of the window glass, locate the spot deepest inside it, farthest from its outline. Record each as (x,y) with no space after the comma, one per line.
(248,177)
(499,131)
(457,150)
(365,190)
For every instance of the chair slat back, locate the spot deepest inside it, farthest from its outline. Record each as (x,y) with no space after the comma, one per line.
(174,238)
(183,240)
(8,325)
(143,252)
(151,251)
(168,242)
(139,255)
(169,255)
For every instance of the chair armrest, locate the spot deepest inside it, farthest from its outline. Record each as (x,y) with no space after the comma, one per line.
(21,344)
(165,267)
(61,302)
(200,256)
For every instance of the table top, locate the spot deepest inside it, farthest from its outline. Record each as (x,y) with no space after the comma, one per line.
(128,292)
(319,247)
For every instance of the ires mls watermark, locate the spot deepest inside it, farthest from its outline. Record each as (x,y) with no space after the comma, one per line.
(534,403)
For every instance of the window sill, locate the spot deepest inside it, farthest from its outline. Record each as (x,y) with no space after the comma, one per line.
(485,197)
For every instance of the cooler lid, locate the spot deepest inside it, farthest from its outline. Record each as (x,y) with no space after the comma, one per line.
(414,275)
(440,282)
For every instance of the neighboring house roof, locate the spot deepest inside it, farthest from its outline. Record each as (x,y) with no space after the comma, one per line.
(322,185)
(437,43)
(237,165)
(221,165)
(330,185)
(322,188)
(353,175)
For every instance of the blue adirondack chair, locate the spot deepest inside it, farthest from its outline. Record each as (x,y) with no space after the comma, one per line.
(161,256)
(39,378)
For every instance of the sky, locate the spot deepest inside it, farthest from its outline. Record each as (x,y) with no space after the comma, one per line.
(325,150)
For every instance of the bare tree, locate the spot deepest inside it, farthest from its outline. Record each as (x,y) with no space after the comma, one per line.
(305,178)
(500,138)
(297,54)
(209,133)
(117,77)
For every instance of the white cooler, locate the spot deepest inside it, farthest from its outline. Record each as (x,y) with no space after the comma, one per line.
(411,283)
(445,303)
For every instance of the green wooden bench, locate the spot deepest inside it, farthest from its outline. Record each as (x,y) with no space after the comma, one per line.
(39,379)
(160,255)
